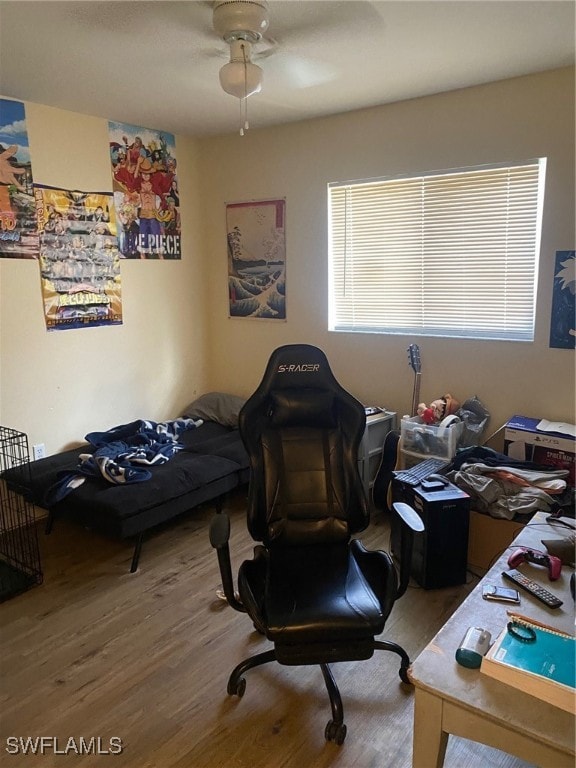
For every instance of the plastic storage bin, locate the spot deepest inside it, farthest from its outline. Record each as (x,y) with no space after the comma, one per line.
(424,440)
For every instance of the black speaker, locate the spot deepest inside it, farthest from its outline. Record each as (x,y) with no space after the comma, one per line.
(441,550)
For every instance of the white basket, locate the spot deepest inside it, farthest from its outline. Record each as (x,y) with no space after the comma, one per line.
(424,440)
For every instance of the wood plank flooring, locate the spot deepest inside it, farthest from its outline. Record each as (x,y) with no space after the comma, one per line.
(143,659)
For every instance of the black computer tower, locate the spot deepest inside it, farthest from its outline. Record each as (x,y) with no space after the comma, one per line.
(441,550)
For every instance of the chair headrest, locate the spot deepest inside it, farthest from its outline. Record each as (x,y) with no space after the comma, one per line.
(302,407)
(299,389)
(298,365)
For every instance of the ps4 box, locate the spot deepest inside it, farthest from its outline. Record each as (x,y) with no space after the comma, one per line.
(549,443)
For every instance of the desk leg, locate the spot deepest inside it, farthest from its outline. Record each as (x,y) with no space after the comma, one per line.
(430,741)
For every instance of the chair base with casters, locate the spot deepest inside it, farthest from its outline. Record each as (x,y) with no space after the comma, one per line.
(312,589)
(335,728)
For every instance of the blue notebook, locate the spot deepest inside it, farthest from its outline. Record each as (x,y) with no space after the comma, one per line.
(544,668)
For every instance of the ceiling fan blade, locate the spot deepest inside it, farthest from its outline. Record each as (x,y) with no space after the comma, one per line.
(285,69)
(307,22)
(124,18)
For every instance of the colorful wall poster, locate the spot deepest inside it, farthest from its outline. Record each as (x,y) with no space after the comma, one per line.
(146,195)
(563,320)
(257,259)
(18,228)
(79,258)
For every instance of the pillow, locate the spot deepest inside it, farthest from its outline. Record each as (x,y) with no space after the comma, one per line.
(216,406)
(303,407)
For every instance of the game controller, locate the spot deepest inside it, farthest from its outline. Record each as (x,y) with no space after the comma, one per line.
(526,555)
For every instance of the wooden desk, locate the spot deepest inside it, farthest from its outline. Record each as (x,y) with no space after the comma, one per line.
(450,699)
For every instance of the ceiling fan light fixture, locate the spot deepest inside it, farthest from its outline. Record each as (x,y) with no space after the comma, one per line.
(240,77)
(241,80)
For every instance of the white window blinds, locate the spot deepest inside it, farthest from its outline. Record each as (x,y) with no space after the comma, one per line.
(444,254)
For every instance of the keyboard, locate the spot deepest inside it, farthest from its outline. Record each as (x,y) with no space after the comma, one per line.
(419,472)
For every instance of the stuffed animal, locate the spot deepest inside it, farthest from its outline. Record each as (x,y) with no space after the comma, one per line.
(438,409)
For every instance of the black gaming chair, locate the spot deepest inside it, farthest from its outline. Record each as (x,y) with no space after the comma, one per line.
(315,592)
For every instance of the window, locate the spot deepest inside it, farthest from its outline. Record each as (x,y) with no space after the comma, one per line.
(452,253)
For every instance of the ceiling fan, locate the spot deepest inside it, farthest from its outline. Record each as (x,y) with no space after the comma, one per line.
(241,24)
(302,26)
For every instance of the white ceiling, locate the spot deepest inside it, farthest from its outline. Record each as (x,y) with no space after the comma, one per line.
(155,64)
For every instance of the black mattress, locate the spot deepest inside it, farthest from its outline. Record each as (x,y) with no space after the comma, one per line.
(212,463)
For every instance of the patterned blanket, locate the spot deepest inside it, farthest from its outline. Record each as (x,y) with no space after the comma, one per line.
(123,453)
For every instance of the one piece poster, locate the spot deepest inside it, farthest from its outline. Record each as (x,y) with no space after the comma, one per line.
(257,259)
(18,228)
(79,259)
(146,195)
(563,320)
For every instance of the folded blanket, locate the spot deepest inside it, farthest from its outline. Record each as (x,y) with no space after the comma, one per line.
(122,453)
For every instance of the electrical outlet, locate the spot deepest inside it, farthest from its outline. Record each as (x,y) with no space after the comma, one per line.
(38,451)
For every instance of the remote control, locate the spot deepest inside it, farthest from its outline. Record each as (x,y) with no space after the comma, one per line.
(533,588)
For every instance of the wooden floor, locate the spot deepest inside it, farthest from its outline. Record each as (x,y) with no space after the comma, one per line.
(144,658)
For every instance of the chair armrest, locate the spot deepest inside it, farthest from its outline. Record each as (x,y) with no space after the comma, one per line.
(379,571)
(219,537)
(409,516)
(220,530)
(410,523)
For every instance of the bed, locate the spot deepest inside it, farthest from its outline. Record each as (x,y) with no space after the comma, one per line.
(210,462)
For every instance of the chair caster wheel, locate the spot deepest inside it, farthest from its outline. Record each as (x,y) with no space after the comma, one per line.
(238,689)
(335,732)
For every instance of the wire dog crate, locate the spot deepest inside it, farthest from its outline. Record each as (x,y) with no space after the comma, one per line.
(20,566)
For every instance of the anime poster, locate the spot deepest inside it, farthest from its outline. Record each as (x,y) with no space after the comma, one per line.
(146,194)
(79,259)
(18,230)
(563,320)
(257,259)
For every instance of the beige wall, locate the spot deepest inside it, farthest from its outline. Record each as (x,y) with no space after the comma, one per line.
(505,121)
(58,386)
(177,339)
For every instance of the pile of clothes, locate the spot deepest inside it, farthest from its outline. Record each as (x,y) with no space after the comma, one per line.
(505,487)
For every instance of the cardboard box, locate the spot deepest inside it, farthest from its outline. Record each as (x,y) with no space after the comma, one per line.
(522,440)
(488,538)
